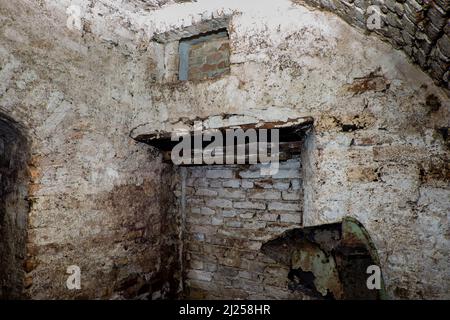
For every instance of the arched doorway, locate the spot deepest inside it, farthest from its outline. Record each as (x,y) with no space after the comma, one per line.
(14,208)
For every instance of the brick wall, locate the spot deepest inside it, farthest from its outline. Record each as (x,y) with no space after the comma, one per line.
(230,212)
(209,57)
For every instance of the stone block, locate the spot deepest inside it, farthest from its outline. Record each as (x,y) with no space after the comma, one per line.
(290,164)
(231,194)
(214,183)
(254,225)
(196,264)
(390,4)
(195,210)
(437,15)
(437,69)
(412,10)
(281,185)
(200,229)
(409,26)
(264,184)
(229,213)
(291,218)
(444,45)
(249,205)
(249,174)
(198,173)
(207,211)
(264,194)
(198,220)
(199,236)
(295,184)
(219,203)
(269,217)
(217,174)
(392,20)
(206,192)
(247,215)
(282,206)
(399,9)
(247,184)
(233,224)
(216,221)
(432,31)
(231,184)
(199,275)
(294,195)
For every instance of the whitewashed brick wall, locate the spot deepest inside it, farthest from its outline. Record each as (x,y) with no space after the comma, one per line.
(230,212)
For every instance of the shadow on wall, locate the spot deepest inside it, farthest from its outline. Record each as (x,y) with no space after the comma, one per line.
(14,206)
(332,261)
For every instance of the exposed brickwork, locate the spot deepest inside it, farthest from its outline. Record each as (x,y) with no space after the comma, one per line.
(420,28)
(230,212)
(210,57)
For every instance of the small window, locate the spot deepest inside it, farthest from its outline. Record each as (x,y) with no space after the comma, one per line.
(204,56)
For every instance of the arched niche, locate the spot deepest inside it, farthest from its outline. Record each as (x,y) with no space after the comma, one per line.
(14,207)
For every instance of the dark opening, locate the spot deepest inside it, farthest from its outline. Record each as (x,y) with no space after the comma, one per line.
(14,206)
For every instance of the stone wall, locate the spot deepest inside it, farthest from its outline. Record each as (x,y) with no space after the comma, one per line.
(230,212)
(420,28)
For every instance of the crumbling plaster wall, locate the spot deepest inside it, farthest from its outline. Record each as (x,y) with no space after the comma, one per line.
(97,197)
(420,28)
(378,151)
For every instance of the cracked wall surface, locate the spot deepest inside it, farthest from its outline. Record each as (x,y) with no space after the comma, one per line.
(420,28)
(379,150)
